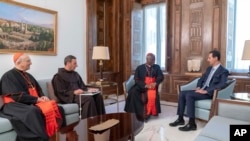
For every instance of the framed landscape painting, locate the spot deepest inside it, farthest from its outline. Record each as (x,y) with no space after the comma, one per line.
(28,29)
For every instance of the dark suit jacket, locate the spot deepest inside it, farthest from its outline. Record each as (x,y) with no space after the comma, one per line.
(218,80)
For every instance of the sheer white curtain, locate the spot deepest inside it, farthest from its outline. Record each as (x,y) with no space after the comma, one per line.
(155,32)
(242,33)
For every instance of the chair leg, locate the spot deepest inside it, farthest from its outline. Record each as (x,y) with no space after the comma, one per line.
(71,136)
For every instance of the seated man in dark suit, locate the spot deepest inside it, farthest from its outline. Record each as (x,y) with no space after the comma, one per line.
(215,77)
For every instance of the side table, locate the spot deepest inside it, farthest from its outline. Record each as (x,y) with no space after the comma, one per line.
(241,96)
(106,84)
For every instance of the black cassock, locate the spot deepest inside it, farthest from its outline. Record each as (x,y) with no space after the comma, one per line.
(27,119)
(137,95)
(65,82)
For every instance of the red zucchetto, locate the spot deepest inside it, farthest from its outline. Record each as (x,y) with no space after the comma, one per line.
(16,56)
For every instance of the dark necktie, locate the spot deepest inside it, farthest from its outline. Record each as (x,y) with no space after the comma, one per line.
(208,79)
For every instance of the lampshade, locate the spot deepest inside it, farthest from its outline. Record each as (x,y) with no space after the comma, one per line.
(246,51)
(100,53)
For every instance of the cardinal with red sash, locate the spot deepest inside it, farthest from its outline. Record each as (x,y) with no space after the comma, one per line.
(33,116)
(143,97)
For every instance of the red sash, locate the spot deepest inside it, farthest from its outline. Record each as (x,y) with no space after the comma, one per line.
(49,109)
(151,93)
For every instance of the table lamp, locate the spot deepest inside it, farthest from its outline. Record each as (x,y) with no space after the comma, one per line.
(100,53)
(246,53)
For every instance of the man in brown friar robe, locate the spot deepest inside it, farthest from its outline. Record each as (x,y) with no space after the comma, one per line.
(143,97)
(68,84)
(33,116)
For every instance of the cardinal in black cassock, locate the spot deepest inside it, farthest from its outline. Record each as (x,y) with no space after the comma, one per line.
(33,116)
(143,97)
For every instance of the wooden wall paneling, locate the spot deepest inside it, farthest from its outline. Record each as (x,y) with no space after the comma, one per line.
(185,37)
(118,32)
(242,83)
(175,57)
(208,32)
(172,81)
(196,38)
(169,34)
(247,88)
(91,38)
(216,27)
(101,20)
(165,87)
(126,40)
(105,16)
(117,41)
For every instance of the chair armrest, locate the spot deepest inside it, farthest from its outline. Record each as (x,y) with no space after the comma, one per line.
(124,89)
(188,86)
(239,110)
(128,84)
(223,93)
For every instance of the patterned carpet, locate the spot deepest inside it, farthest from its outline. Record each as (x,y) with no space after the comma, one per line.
(157,128)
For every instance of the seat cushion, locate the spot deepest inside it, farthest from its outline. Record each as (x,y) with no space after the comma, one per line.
(70,108)
(5,125)
(72,118)
(8,136)
(203,104)
(222,125)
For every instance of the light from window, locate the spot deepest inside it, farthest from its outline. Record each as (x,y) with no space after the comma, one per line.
(238,12)
(155,32)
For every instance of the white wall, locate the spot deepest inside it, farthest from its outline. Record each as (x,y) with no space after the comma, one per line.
(71,39)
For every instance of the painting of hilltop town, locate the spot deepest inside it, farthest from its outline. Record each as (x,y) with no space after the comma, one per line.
(26,28)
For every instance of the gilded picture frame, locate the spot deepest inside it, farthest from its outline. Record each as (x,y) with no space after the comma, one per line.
(26,28)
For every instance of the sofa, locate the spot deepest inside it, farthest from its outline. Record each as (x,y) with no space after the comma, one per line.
(71,112)
(227,112)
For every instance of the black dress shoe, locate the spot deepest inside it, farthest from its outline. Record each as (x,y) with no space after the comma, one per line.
(177,122)
(147,118)
(188,127)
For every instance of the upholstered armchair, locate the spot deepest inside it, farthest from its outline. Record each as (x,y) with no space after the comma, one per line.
(127,85)
(130,82)
(204,108)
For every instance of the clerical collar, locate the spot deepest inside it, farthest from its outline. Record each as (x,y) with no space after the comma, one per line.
(18,69)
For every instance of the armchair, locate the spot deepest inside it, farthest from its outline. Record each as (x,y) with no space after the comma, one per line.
(227,112)
(204,109)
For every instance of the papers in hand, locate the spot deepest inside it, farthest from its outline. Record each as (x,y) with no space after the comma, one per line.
(104,125)
(90,93)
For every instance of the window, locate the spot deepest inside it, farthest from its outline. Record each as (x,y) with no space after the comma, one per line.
(155,32)
(238,31)
(148,34)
